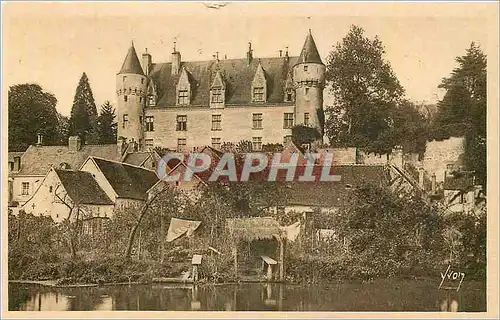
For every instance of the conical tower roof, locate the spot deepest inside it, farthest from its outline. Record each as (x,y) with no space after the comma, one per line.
(309,52)
(131,63)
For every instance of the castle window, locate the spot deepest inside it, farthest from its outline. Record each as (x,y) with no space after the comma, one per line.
(306,119)
(181,144)
(181,123)
(288,121)
(150,121)
(151,101)
(289,96)
(216,143)
(257,143)
(305,68)
(258,94)
(216,122)
(125,98)
(25,188)
(217,95)
(50,189)
(183,98)
(124,78)
(307,90)
(125,120)
(257,121)
(149,144)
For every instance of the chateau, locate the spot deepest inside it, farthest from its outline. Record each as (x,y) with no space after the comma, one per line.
(183,105)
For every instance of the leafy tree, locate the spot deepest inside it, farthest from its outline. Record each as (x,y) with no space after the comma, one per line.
(272,147)
(83,120)
(62,129)
(106,125)
(31,111)
(302,134)
(462,111)
(365,91)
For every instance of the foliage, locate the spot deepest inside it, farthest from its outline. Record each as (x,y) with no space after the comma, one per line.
(31,111)
(272,147)
(302,134)
(462,111)
(83,120)
(106,125)
(62,129)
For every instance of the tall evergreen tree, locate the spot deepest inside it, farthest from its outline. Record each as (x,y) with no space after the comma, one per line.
(31,111)
(83,120)
(462,111)
(106,125)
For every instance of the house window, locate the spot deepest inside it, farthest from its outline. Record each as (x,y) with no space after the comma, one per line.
(182,123)
(125,98)
(150,121)
(216,122)
(258,94)
(217,95)
(287,140)
(306,119)
(257,121)
(288,121)
(305,68)
(216,143)
(257,143)
(125,120)
(181,144)
(183,98)
(149,143)
(307,90)
(50,189)
(25,188)
(124,78)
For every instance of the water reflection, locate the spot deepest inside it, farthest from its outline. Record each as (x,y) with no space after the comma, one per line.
(380,296)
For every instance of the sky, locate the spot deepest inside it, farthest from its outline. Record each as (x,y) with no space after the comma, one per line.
(52,44)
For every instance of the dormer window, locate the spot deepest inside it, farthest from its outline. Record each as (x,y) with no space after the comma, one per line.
(217,91)
(183,97)
(217,95)
(258,94)
(151,101)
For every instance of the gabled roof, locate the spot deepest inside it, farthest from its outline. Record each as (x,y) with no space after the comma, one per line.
(127,181)
(82,188)
(37,160)
(131,63)
(309,53)
(238,75)
(136,158)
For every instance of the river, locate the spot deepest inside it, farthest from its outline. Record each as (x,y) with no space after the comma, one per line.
(381,295)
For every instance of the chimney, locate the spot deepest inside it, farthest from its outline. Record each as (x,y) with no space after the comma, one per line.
(74,143)
(146,62)
(39,140)
(249,53)
(176,61)
(433,183)
(17,163)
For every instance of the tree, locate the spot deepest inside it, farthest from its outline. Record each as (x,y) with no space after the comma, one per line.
(62,129)
(106,125)
(364,88)
(31,111)
(83,120)
(302,134)
(462,111)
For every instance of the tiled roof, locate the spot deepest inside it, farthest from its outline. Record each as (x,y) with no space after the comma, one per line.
(39,160)
(82,187)
(136,158)
(128,181)
(309,53)
(131,63)
(238,76)
(332,194)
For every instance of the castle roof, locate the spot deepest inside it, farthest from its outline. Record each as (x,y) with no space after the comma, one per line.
(82,188)
(238,74)
(131,63)
(309,53)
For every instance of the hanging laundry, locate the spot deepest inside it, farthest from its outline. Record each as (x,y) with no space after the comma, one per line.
(292,231)
(179,227)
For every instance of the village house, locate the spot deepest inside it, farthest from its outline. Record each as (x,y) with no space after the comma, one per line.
(97,189)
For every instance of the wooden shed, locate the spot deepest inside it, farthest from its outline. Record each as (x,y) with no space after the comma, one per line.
(253,229)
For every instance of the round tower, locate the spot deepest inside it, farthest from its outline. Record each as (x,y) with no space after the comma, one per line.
(309,82)
(131,90)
